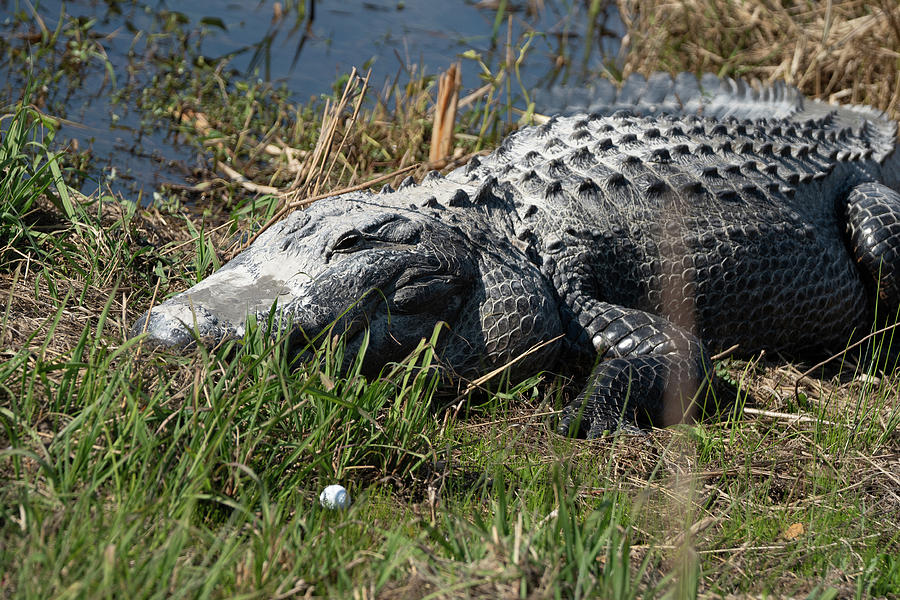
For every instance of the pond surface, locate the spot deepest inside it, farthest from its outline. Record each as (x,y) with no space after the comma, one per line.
(94,60)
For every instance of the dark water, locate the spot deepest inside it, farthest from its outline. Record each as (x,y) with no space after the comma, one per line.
(118,47)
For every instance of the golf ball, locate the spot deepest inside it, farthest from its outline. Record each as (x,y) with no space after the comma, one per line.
(334,497)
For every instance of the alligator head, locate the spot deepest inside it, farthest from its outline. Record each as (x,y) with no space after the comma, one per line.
(347,266)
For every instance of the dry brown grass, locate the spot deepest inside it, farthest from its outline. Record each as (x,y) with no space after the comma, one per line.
(842,50)
(360,134)
(99,263)
(764,498)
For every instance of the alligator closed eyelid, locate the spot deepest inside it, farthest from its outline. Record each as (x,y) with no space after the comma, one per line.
(347,241)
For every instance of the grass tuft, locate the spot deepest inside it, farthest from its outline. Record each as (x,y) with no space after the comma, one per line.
(125,472)
(28,171)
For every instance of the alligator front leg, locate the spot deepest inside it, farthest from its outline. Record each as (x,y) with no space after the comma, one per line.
(872,213)
(648,374)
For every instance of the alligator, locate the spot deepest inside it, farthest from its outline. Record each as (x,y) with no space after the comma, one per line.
(626,238)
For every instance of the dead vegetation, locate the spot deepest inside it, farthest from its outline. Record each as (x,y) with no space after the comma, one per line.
(119,256)
(781,480)
(844,51)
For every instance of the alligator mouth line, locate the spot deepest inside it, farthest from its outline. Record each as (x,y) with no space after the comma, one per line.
(375,306)
(417,278)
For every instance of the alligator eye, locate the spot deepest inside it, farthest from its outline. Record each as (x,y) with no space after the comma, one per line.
(347,242)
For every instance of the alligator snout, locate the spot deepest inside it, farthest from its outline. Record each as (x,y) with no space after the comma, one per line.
(176,325)
(210,313)
(361,269)
(214,309)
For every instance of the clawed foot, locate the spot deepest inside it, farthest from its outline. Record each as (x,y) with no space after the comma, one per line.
(575,422)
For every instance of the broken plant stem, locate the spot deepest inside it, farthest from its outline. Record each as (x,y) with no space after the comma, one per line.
(838,355)
(306,201)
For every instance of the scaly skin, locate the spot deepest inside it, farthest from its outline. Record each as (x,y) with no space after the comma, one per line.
(644,241)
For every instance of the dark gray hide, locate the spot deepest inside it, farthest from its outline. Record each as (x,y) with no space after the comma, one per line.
(645,239)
